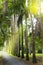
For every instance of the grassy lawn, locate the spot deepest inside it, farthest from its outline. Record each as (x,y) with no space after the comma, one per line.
(37,55)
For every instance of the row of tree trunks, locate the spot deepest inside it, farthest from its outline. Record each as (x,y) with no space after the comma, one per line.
(39,28)
(20,22)
(26,41)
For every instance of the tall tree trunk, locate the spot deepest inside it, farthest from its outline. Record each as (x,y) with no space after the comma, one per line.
(20,22)
(22,40)
(19,41)
(4,10)
(33,42)
(41,31)
(5,7)
(42,40)
(33,45)
(26,40)
(14,30)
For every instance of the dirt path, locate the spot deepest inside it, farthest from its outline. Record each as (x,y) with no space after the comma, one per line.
(9,60)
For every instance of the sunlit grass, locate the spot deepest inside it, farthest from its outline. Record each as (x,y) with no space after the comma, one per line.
(0,55)
(39,55)
(30,55)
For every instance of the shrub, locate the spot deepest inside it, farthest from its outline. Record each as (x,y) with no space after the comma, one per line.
(40,51)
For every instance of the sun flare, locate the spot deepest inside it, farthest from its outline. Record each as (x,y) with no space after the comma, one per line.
(37,8)
(34,7)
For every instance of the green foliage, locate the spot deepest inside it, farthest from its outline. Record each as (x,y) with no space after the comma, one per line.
(4,28)
(40,51)
(12,45)
(1,37)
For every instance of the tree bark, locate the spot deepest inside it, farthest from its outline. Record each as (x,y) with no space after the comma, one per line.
(22,40)
(19,41)
(26,40)
(33,42)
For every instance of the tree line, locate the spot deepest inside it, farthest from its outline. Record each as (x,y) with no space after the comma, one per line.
(8,10)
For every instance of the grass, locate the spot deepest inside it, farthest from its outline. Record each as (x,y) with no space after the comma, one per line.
(39,59)
(1,60)
(0,55)
(39,55)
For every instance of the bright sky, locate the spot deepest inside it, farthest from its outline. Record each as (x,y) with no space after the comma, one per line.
(35,7)
(42,7)
(29,22)
(34,23)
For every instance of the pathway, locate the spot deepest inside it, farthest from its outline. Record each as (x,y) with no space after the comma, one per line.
(9,60)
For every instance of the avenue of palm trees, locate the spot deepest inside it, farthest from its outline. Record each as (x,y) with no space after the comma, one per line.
(21,28)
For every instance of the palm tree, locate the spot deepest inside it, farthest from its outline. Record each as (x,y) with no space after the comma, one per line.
(22,38)
(33,42)
(19,37)
(26,39)
(20,22)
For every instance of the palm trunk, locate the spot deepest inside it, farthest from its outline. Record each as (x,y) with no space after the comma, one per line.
(33,45)
(33,42)
(20,22)
(5,4)
(22,40)
(19,41)
(41,31)
(5,7)
(26,41)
